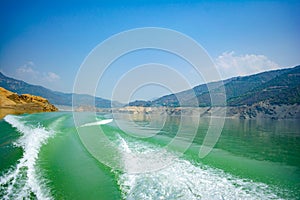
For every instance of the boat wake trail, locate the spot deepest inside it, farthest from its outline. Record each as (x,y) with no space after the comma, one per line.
(185,180)
(24,180)
(101,122)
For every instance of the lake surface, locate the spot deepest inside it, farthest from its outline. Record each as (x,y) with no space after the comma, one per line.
(44,157)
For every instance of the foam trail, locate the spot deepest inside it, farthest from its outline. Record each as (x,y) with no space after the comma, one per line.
(137,158)
(23,181)
(124,146)
(185,180)
(105,121)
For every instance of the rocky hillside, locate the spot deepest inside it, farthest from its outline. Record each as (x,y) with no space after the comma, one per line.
(12,103)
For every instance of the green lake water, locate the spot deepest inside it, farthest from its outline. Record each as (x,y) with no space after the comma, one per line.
(42,156)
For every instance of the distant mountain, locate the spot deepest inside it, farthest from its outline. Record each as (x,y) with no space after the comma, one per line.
(282,89)
(57,98)
(275,87)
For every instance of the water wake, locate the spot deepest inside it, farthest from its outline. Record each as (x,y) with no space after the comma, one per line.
(104,121)
(24,181)
(185,180)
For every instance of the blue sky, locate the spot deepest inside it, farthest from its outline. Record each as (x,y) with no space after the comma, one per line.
(45,42)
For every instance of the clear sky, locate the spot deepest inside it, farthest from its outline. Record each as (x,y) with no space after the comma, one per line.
(45,42)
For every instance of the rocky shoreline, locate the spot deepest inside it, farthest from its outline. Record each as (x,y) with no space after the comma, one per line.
(12,103)
(256,111)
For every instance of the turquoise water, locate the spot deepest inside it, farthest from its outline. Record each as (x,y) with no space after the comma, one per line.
(43,157)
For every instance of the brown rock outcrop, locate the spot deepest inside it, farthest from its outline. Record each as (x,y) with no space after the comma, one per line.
(12,103)
(256,111)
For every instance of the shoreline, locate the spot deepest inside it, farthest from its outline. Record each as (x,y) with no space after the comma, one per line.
(262,111)
(256,111)
(12,111)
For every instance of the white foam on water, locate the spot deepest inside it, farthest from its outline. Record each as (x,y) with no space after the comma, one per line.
(124,145)
(24,180)
(101,122)
(137,158)
(185,180)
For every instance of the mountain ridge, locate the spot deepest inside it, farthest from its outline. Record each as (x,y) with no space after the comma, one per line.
(55,97)
(242,90)
(273,87)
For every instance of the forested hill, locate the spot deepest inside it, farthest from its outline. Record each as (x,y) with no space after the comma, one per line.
(275,87)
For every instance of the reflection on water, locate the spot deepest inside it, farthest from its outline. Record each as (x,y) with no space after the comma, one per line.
(276,141)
